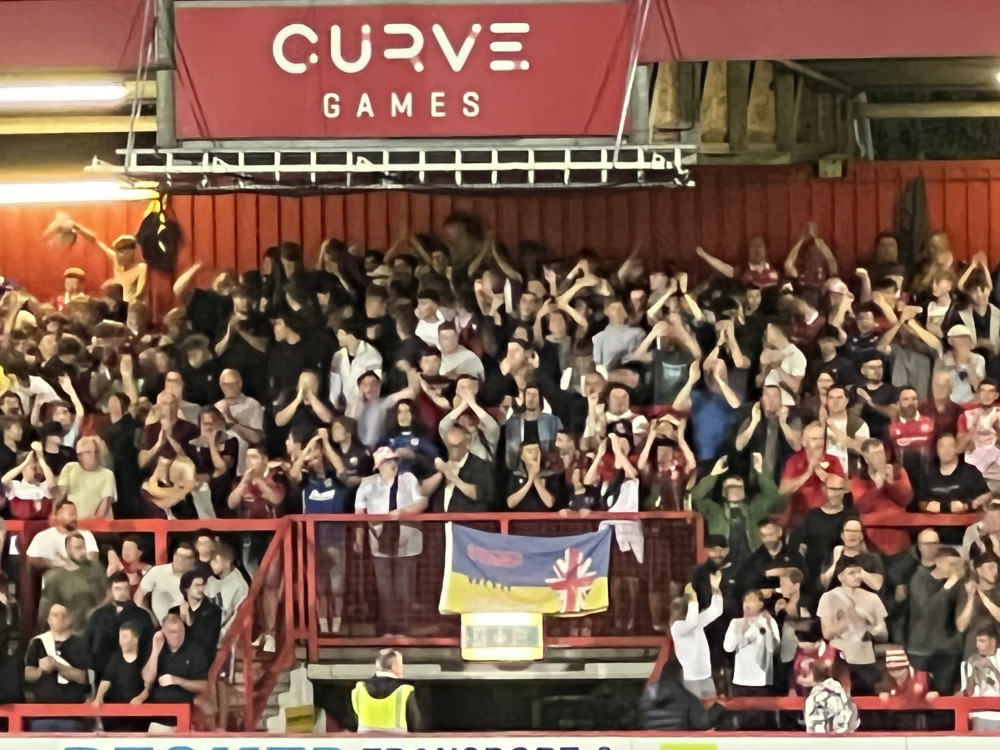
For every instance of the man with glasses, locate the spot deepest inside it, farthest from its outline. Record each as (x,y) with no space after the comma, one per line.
(162,584)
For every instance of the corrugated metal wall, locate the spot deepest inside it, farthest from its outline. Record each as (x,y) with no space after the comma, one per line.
(727,206)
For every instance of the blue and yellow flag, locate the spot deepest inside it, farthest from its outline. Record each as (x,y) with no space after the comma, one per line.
(563,575)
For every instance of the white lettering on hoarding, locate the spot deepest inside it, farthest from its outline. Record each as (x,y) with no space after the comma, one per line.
(471,102)
(404,107)
(365,106)
(398,105)
(331,106)
(409,51)
(403,41)
(456,60)
(337,54)
(437,104)
(501,46)
(278,47)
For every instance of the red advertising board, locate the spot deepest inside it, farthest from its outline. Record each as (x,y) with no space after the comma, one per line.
(819,29)
(255,71)
(77,36)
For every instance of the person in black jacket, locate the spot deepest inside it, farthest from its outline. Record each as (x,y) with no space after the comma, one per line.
(104,624)
(463,483)
(669,706)
(202,617)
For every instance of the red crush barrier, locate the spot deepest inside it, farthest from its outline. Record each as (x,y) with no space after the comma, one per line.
(673,546)
(20,713)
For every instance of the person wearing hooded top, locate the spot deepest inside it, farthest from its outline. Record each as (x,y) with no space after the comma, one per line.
(668,705)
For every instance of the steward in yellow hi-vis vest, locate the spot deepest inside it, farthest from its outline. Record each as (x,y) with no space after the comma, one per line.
(384,703)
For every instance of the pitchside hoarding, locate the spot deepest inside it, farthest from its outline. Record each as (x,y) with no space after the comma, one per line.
(297,71)
(705,741)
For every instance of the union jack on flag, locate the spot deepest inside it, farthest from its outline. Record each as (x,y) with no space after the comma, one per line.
(560,575)
(572,579)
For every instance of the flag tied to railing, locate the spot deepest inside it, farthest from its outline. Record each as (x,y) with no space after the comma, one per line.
(564,575)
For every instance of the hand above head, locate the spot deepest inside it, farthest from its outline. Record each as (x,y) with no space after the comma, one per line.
(721,466)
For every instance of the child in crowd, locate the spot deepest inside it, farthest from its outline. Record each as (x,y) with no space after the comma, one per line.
(829,709)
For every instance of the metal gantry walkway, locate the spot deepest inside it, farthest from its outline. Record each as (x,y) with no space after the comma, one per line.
(476,165)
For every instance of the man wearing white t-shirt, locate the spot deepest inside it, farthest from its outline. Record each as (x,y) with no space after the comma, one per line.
(845,431)
(228,589)
(162,583)
(690,641)
(48,548)
(782,357)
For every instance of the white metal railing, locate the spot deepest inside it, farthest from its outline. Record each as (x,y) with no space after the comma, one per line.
(541,165)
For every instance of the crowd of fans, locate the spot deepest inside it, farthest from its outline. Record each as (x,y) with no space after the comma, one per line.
(799,409)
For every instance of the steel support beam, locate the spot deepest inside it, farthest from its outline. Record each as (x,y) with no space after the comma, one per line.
(166,136)
(911,110)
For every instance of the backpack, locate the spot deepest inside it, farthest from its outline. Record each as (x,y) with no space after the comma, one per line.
(159,236)
(829,710)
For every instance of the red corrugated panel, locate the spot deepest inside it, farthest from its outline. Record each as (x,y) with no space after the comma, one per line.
(729,204)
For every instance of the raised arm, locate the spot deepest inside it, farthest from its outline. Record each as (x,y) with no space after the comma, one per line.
(93,239)
(140,282)
(718,265)
(66,383)
(748,428)
(661,328)
(682,402)
(791,271)
(591,476)
(509,271)
(182,286)
(16,471)
(824,249)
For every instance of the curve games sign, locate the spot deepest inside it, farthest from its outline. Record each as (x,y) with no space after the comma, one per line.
(248,71)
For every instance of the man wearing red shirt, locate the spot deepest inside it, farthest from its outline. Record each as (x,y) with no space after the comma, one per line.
(941,408)
(260,492)
(805,473)
(911,434)
(882,489)
(757,273)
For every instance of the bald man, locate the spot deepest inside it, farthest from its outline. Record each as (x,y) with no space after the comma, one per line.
(244,415)
(384,703)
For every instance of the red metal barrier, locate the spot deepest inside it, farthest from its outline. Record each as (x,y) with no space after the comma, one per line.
(18,713)
(259,683)
(960,706)
(671,552)
(676,546)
